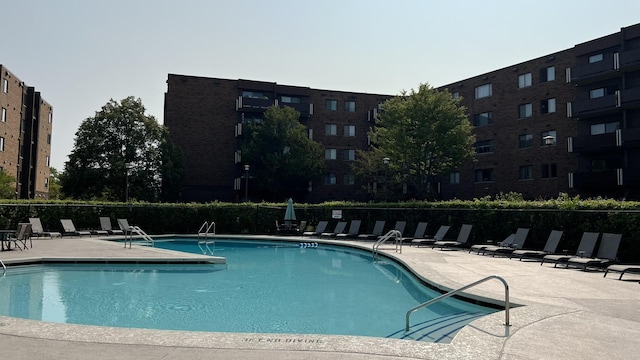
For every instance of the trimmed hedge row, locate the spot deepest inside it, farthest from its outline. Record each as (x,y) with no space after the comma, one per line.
(490,219)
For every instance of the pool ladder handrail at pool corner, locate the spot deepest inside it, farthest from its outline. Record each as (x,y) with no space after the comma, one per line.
(4,268)
(134,228)
(395,234)
(453,292)
(203,237)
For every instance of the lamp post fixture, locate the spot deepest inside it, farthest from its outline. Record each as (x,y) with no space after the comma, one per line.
(246,182)
(127,166)
(548,142)
(385,161)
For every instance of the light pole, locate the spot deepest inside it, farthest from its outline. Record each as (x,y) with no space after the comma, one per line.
(246,182)
(127,166)
(548,142)
(385,161)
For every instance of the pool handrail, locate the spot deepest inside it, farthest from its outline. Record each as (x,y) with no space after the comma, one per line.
(203,237)
(4,268)
(453,292)
(395,234)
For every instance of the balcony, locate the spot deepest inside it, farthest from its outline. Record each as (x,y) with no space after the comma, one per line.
(631,138)
(601,70)
(593,143)
(304,108)
(606,179)
(253,104)
(630,98)
(630,60)
(598,106)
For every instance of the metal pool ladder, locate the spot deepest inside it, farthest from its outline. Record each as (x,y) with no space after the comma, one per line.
(453,292)
(4,268)
(395,234)
(148,239)
(206,230)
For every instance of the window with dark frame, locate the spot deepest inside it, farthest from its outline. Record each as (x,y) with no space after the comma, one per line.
(484,175)
(331,105)
(483,119)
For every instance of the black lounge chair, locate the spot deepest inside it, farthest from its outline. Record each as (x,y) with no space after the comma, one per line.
(549,248)
(421,228)
(37,230)
(504,243)
(607,253)
(105,225)
(320,228)
(354,230)
(623,269)
(517,243)
(70,228)
(340,226)
(585,249)
(440,234)
(461,240)
(378,228)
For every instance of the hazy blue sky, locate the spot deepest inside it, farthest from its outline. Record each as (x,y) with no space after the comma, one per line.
(81,53)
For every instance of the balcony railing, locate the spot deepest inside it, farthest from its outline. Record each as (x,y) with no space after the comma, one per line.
(599,179)
(596,71)
(630,98)
(630,60)
(605,104)
(304,108)
(631,138)
(247,103)
(593,143)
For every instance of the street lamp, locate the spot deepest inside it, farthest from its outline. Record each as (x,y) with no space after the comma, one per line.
(385,161)
(246,182)
(127,166)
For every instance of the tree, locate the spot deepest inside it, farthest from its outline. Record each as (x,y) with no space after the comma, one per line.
(282,157)
(55,189)
(117,155)
(423,134)
(7,186)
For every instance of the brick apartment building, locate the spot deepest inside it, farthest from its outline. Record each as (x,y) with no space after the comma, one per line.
(25,136)
(563,122)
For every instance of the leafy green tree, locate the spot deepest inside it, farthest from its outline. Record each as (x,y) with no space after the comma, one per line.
(7,186)
(117,155)
(173,169)
(423,134)
(55,189)
(282,157)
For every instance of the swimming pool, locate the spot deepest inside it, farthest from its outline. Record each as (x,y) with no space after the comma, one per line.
(266,287)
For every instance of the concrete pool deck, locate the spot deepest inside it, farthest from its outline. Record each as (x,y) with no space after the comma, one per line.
(567,314)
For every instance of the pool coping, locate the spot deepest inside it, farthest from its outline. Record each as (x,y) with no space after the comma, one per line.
(485,338)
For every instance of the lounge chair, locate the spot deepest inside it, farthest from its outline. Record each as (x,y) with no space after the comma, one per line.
(400,225)
(607,253)
(37,230)
(322,225)
(549,248)
(623,269)
(378,228)
(585,249)
(440,234)
(421,228)
(504,243)
(340,226)
(105,225)
(463,238)
(123,224)
(517,243)
(70,229)
(354,230)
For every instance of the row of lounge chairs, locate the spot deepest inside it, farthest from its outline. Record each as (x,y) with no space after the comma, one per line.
(69,229)
(513,246)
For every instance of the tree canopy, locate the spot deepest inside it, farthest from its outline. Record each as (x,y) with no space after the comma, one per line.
(421,134)
(281,156)
(117,155)
(7,186)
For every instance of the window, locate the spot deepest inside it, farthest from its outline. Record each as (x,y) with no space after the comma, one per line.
(4,115)
(605,128)
(290,99)
(330,154)
(349,130)
(484,175)
(596,93)
(348,179)
(551,133)
(5,85)
(598,165)
(330,179)
(455,95)
(547,106)
(525,172)
(331,105)
(252,119)
(47,161)
(483,119)
(48,139)
(548,74)
(525,141)
(483,91)
(454,177)
(46,182)
(525,111)
(350,106)
(484,146)
(50,117)
(331,129)
(549,171)
(254,95)
(596,58)
(349,154)
(524,80)
(1,143)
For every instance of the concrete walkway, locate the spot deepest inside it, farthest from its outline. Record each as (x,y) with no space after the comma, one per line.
(567,314)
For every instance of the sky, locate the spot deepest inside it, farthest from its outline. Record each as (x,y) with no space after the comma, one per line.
(81,53)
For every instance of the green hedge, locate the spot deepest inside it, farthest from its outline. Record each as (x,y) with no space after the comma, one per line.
(491,219)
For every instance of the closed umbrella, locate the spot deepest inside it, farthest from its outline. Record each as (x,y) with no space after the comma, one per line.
(289,214)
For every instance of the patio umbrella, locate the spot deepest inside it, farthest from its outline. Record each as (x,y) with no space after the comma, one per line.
(289,214)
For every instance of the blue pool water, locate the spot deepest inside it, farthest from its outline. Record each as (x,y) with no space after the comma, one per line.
(266,287)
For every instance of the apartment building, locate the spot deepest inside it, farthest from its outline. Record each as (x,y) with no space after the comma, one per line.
(207,117)
(26,124)
(566,122)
